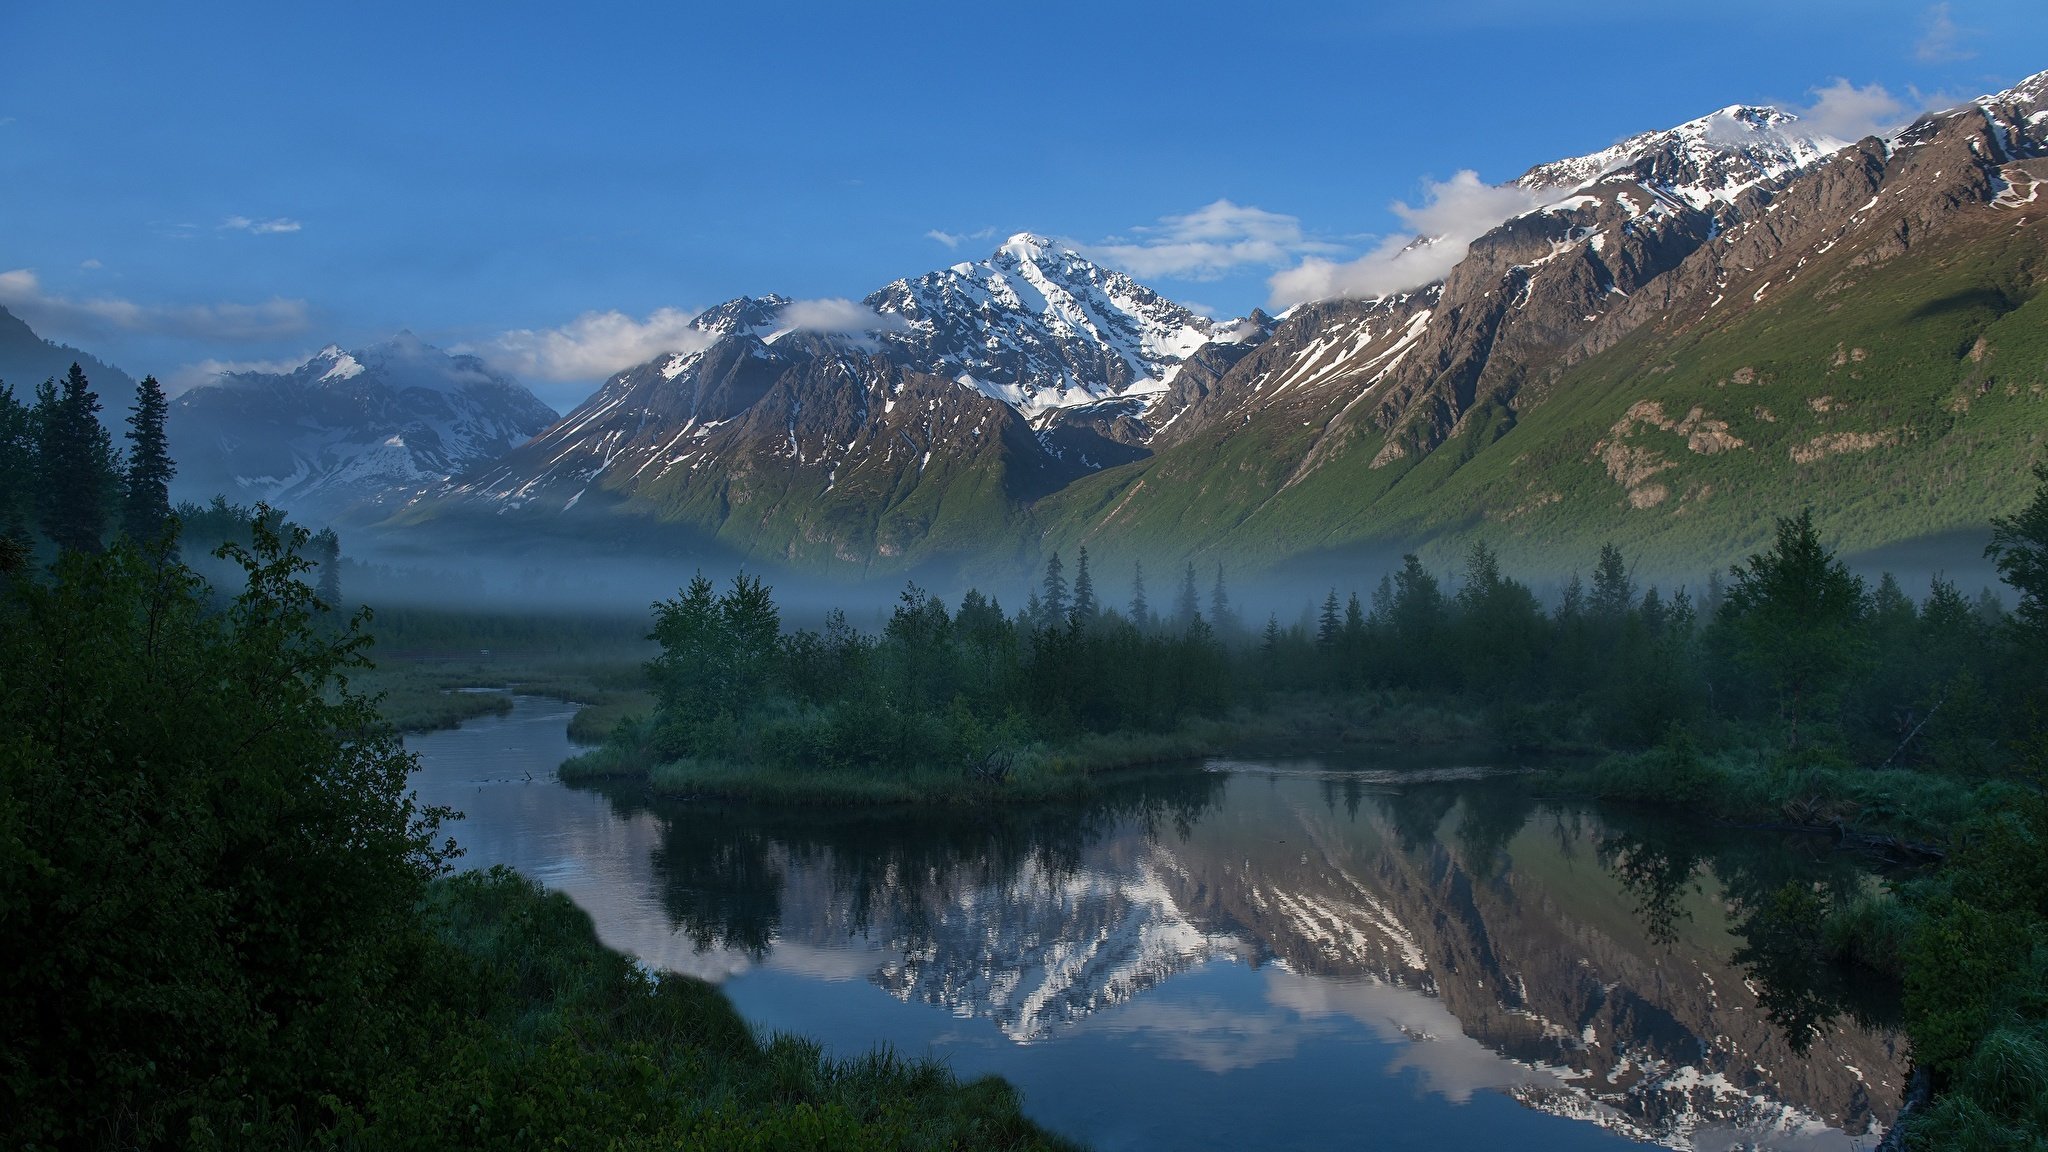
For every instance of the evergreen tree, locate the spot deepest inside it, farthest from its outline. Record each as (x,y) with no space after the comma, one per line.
(1085,608)
(17,468)
(147,503)
(1053,604)
(1219,604)
(1571,604)
(1796,613)
(1330,625)
(327,557)
(1270,642)
(1613,592)
(1354,620)
(1186,610)
(1141,612)
(78,480)
(2019,546)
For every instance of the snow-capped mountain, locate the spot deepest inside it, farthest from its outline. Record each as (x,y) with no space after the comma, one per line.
(1033,399)
(348,432)
(958,394)
(1038,326)
(1701,162)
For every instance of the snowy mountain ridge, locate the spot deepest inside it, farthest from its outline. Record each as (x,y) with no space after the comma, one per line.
(348,429)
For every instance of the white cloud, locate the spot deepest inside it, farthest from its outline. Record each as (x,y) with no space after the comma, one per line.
(1453,213)
(836,316)
(23,293)
(90,264)
(594,345)
(954,239)
(1209,242)
(1940,38)
(189,376)
(259,227)
(1846,112)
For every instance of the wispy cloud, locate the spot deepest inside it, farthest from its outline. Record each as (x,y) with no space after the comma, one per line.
(1941,38)
(189,376)
(22,292)
(837,316)
(594,345)
(1441,229)
(254,227)
(1846,112)
(91,265)
(955,239)
(1209,242)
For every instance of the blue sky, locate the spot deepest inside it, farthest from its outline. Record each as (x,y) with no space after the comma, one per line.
(558,185)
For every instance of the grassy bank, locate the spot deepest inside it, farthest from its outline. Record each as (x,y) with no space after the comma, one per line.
(559,1042)
(420,696)
(1036,772)
(1809,788)
(1301,724)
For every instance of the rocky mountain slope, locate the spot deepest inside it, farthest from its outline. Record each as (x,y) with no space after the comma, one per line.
(348,434)
(1685,334)
(932,420)
(27,360)
(1697,338)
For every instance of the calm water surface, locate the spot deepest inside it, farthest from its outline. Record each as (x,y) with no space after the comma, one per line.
(1259,954)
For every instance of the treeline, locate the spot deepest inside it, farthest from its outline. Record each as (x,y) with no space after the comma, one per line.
(63,483)
(1792,651)
(938,687)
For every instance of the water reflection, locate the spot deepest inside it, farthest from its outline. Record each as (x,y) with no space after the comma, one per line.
(1373,941)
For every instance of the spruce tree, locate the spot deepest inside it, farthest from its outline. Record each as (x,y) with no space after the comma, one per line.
(78,478)
(1613,592)
(2019,546)
(1219,603)
(1085,608)
(1054,602)
(1796,613)
(1271,641)
(1330,624)
(1186,611)
(147,505)
(17,468)
(327,555)
(1141,612)
(1354,620)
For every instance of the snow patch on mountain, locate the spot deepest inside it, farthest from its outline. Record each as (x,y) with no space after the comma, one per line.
(1702,162)
(1039,327)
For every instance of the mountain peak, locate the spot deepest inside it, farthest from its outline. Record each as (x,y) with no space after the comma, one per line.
(2032,90)
(1026,246)
(1705,160)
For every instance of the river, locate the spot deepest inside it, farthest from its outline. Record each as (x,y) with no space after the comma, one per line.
(1273,954)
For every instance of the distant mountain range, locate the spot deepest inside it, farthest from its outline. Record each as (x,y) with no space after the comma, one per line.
(349,435)
(27,360)
(1686,334)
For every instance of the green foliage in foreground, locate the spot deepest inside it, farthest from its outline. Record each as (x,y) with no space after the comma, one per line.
(222,923)
(543,1038)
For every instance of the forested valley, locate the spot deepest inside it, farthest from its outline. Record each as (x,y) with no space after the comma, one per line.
(229,923)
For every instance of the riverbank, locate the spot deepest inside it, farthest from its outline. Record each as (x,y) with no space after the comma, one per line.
(558,1041)
(1031,772)
(427,696)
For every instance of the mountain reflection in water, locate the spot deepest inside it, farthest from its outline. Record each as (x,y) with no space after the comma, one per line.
(1452,936)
